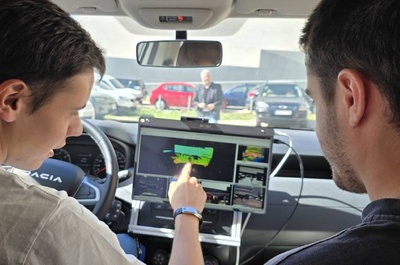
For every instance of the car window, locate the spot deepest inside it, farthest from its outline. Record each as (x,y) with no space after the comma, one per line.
(240,89)
(116,83)
(103,85)
(283,90)
(187,89)
(256,52)
(173,88)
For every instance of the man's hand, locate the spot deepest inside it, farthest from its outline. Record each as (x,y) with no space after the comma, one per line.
(210,106)
(186,191)
(201,105)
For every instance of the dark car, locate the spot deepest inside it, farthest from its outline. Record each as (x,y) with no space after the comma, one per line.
(237,95)
(281,104)
(172,94)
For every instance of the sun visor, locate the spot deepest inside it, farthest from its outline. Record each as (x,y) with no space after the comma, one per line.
(88,6)
(275,8)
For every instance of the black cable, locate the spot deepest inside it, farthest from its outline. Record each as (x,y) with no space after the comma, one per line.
(332,199)
(277,141)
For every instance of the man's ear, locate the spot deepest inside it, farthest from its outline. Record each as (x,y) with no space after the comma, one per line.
(353,91)
(12,94)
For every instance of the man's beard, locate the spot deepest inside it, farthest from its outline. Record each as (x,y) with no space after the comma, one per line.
(332,144)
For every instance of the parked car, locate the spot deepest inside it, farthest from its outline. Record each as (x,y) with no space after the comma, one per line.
(172,94)
(251,95)
(115,83)
(88,112)
(237,95)
(125,100)
(135,84)
(281,104)
(103,103)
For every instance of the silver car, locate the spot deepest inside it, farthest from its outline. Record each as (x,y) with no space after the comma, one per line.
(103,103)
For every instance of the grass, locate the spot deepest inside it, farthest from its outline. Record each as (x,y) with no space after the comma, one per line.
(238,115)
(175,114)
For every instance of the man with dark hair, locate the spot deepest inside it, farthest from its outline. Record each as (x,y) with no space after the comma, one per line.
(47,64)
(208,98)
(353,71)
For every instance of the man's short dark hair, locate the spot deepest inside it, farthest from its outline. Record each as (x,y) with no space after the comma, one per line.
(43,46)
(363,35)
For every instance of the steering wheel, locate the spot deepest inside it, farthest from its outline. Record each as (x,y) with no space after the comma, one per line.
(90,191)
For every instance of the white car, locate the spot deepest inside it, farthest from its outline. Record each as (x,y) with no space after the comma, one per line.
(88,112)
(103,103)
(125,100)
(115,83)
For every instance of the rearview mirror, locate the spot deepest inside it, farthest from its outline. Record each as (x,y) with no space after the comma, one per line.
(179,53)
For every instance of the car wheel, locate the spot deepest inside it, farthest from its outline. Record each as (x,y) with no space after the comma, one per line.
(123,110)
(160,104)
(99,116)
(304,124)
(96,194)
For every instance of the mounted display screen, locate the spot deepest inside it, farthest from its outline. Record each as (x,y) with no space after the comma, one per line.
(231,162)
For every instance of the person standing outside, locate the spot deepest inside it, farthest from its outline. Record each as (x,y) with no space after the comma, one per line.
(208,98)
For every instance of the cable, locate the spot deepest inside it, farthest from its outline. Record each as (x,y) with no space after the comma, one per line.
(237,255)
(241,233)
(245,223)
(278,167)
(277,141)
(332,199)
(285,157)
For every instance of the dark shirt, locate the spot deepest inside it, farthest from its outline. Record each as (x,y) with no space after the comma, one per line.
(375,241)
(212,95)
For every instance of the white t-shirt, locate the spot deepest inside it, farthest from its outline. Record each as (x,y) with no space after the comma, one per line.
(39,225)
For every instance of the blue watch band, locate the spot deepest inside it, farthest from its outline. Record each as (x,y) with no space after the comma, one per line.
(189,210)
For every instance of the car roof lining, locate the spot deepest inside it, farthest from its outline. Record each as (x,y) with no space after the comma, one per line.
(206,13)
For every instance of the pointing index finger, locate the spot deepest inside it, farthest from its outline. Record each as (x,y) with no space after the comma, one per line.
(185,175)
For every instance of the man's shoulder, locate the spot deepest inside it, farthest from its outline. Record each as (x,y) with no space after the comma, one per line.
(215,86)
(351,245)
(23,184)
(199,87)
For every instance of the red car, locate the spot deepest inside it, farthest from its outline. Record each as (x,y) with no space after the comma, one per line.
(172,94)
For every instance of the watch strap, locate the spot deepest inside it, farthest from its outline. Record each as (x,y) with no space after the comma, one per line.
(189,210)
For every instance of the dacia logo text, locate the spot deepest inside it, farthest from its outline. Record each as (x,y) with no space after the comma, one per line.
(45,176)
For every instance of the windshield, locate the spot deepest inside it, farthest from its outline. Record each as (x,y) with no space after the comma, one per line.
(261,57)
(104,86)
(284,91)
(116,83)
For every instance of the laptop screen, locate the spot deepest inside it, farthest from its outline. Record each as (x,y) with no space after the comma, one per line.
(231,162)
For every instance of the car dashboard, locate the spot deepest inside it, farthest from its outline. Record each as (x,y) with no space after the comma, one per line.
(83,152)
(301,208)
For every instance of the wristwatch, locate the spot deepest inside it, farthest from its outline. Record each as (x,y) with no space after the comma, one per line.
(189,210)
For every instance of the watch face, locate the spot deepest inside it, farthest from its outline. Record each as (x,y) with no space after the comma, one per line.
(189,210)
